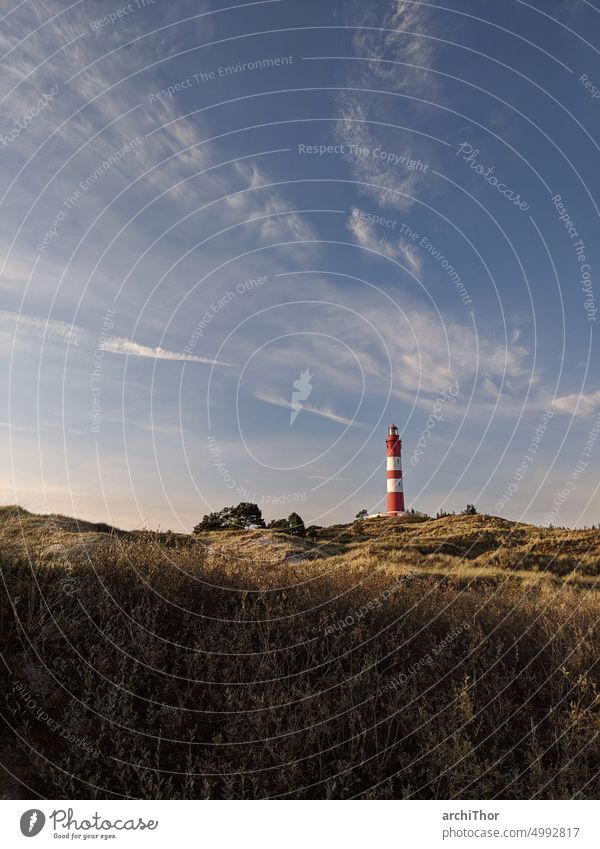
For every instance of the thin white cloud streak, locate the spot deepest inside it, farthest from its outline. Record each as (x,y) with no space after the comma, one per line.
(120,345)
(325,412)
(71,334)
(48,329)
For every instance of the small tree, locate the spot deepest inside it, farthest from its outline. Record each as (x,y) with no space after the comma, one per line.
(296,525)
(245,515)
(210,522)
(278,524)
(312,532)
(470,510)
(362,514)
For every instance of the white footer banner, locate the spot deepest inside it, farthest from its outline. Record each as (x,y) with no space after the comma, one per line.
(296,825)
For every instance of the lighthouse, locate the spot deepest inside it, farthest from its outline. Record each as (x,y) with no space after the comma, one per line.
(395,489)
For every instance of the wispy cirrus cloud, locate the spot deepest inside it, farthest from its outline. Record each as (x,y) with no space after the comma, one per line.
(578,403)
(396,31)
(393,56)
(277,220)
(368,237)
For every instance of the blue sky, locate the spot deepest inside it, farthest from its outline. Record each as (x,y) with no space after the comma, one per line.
(238,240)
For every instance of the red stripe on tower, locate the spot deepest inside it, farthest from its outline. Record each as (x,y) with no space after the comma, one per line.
(395,490)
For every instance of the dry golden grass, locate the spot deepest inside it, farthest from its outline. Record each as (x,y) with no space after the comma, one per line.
(390,659)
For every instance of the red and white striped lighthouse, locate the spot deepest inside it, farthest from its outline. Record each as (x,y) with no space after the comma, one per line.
(395,489)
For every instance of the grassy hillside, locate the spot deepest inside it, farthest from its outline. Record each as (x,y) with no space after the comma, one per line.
(426,659)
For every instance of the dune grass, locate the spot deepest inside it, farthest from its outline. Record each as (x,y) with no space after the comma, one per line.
(456,658)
